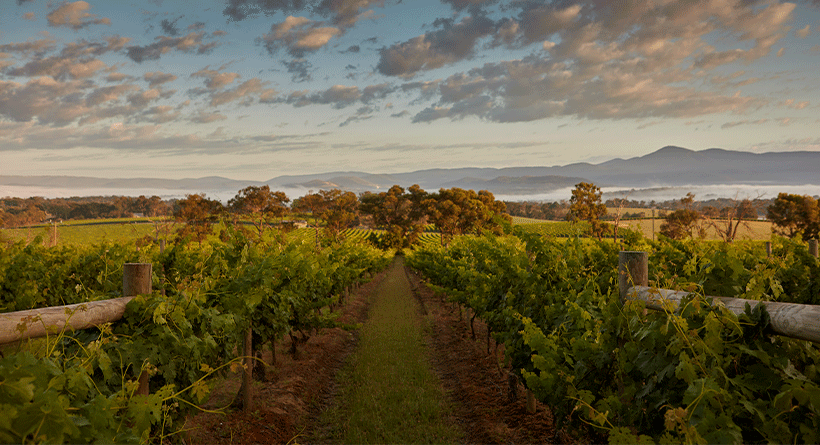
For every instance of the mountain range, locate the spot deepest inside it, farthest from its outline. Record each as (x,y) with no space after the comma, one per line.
(668,167)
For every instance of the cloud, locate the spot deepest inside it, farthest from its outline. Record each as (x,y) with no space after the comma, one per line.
(30,48)
(143,98)
(299,35)
(595,60)
(246,93)
(460,5)
(791,103)
(451,43)
(187,44)
(206,118)
(170,26)
(803,32)
(29,16)
(60,68)
(340,96)
(241,9)
(743,122)
(48,100)
(158,78)
(363,113)
(74,16)
(107,94)
(343,13)
(539,22)
(116,77)
(214,79)
(300,68)
(76,60)
(533,88)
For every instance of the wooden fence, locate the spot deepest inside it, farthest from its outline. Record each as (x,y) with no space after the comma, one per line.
(801,321)
(20,325)
(136,280)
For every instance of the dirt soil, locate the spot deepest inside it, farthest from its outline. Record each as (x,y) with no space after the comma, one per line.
(289,401)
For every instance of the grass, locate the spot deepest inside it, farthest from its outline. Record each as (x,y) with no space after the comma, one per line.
(749,230)
(123,232)
(389,394)
(128,230)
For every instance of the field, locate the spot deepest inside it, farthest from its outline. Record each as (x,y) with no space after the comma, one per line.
(749,230)
(88,232)
(128,230)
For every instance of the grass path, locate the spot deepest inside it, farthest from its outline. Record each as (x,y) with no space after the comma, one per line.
(388,392)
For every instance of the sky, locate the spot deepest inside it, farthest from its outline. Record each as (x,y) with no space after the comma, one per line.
(254,89)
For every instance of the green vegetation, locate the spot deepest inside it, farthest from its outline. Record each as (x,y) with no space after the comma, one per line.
(389,394)
(796,215)
(620,374)
(82,387)
(586,205)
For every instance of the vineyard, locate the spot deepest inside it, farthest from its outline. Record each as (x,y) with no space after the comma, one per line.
(83,386)
(616,372)
(607,370)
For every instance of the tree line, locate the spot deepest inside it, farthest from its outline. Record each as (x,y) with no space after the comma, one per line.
(791,215)
(401,213)
(17,212)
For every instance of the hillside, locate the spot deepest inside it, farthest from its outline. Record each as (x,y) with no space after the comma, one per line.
(669,166)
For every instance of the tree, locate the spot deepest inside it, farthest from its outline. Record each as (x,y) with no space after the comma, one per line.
(795,215)
(199,214)
(340,210)
(585,204)
(619,204)
(260,203)
(680,224)
(400,213)
(731,217)
(457,211)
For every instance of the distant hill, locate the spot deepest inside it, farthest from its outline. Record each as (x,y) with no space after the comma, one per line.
(669,166)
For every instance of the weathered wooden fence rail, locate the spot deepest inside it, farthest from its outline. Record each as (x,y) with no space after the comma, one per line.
(136,280)
(801,321)
(33,323)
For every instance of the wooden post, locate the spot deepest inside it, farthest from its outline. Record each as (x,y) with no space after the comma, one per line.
(142,390)
(136,279)
(813,247)
(633,270)
(768,248)
(530,402)
(162,274)
(247,376)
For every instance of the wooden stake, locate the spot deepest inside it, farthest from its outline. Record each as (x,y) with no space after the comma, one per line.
(633,270)
(247,376)
(143,379)
(530,402)
(136,279)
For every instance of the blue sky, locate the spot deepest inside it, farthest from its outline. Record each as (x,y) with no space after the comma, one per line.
(252,89)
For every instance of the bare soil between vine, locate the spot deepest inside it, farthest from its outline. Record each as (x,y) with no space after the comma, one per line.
(289,402)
